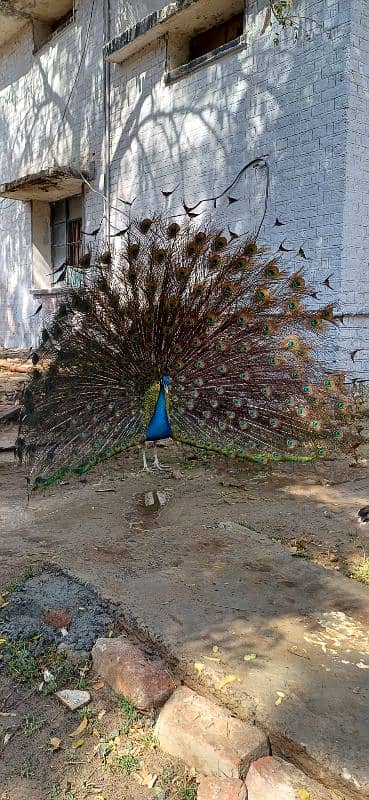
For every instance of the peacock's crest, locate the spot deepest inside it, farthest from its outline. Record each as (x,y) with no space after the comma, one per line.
(235,333)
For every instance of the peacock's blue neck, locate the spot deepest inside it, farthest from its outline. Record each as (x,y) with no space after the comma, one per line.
(159,425)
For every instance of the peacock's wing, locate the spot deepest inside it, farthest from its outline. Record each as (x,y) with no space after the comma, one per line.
(85,405)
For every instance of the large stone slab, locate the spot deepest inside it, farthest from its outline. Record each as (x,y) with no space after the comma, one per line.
(275,779)
(308,627)
(207,737)
(126,669)
(217,789)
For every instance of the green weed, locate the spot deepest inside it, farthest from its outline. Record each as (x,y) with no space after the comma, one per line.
(360,571)
(129,711)
(188,792)
(127,764)
(31,724)
(54,791)
(19,660)
(25,770)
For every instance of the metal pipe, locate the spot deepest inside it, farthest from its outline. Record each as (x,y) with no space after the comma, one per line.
(107,120)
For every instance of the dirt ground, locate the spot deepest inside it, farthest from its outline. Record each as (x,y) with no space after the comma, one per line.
(101,520)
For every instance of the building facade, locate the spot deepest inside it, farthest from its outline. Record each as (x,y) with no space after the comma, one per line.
(112,108)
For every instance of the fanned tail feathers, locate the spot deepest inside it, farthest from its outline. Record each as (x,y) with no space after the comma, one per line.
(236,334)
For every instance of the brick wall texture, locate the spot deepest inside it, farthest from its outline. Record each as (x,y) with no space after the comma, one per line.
(303,106)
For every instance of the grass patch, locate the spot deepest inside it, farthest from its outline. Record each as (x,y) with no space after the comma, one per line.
(22,663)
(188,792)
(70,755)
(19,660)
(127,764)
(54,791)
(360,571)
(31,724)
(25,770)
(129,712)
(185,786)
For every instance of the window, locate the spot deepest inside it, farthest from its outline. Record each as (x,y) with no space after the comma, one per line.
(64,21)
(53,20)
(213,36)
(66,240)
(205,42)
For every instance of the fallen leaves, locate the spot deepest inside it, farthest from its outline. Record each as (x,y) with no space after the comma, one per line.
(250,657)
(198,667)
(227,680)
(304,794)
(79,743)
(145,778)
(54,744)
(280,697)
(82,727)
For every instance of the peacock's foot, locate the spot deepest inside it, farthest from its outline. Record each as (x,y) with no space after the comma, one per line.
(160,467)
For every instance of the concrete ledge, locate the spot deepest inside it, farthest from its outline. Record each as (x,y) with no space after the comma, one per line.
(186,69)
(178,17)
(48,185)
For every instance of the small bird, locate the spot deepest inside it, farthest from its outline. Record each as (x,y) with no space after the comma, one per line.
(190,335)
(326,282)
(284,249)
(363,515)
(38,309)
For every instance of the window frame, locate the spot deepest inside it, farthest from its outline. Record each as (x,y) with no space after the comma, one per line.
(73,275)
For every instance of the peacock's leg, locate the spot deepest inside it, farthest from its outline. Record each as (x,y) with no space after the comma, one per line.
(156,464)
(145,466)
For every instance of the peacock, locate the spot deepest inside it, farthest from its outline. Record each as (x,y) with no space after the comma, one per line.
(187,334)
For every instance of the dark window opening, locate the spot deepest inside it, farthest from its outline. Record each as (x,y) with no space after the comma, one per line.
(66,238)
(215,37)
(63,21)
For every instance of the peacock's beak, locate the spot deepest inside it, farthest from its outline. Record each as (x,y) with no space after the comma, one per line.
(166,388)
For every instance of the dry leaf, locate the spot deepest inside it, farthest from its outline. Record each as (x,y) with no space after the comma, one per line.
(145,778)
(78,743)
(54,743)
(82,727)
(101,714)
(8,713)
(213,658)
(304,794)
(97,686)
(198,667)
(227,680)
(280,698)
(250,657)
(7,738)
(2,641)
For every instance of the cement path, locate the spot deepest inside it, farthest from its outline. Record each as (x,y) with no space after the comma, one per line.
(275,637)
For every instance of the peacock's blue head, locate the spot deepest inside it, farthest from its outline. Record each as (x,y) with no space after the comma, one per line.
(165,382)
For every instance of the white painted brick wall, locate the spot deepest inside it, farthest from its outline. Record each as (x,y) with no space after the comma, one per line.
(305,105)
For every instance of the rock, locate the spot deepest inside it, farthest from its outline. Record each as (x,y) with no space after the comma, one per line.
(73,698)
(207,737)
(162,498)
(149,499)
(125,668)
(57,618)
(154,501)
(216,789)
(77,657)
(274,779)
